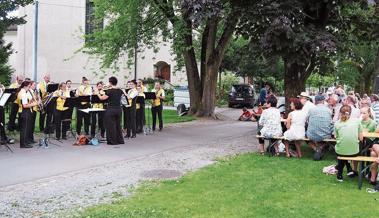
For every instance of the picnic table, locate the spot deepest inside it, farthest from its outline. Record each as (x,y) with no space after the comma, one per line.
(364,161)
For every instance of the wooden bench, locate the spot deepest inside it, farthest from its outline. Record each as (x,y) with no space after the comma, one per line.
(282,138)
(362,168)
(304,139)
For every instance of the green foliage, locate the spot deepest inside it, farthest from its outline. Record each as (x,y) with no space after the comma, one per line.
(6,20)
(169,99)
(248,185)
(227,80)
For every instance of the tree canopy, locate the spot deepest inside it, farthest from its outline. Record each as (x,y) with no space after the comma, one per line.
(6,21)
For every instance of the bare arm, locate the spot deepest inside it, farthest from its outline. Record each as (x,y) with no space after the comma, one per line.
(288,122)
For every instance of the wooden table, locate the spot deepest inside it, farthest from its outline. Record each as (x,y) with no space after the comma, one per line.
(362,167)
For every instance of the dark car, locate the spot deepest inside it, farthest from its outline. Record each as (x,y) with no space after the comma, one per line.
(242,95)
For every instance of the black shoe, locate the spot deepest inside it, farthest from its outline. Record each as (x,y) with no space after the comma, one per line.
(317,155)
(352,174)
(64,137)
(26,146)
(339,178)
(374,183)
(10,141)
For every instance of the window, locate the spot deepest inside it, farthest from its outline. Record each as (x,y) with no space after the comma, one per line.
(91,23)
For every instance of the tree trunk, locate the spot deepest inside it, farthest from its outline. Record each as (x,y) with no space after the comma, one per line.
(209,93)
(294,82)
(194,85)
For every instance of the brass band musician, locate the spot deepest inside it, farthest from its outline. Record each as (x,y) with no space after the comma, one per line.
(61,113)
(84,90)
(131,112)
(15,105)
(27,104)
(98,117)
(157,105)
(48,116)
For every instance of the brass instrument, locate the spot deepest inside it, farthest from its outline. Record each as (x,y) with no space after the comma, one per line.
(39,102)
(48,99)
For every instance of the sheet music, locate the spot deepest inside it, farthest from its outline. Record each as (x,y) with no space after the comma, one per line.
(92,110)
(4,99)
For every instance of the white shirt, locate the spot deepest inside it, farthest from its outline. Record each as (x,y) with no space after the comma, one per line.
(307,106)
(133,93)
(25,97)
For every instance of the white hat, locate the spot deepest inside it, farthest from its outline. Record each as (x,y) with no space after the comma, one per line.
(303,94)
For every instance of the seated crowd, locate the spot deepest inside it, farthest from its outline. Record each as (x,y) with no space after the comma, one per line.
(332,115)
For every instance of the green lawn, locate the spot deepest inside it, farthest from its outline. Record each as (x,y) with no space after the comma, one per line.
(248,185)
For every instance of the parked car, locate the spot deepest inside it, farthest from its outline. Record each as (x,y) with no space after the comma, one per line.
(242,95)
(181,99)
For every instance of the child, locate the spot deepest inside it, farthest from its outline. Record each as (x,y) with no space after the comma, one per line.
(348,133)
(368,124)
(246,115)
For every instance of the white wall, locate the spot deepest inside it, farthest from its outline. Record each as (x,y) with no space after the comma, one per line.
(11,37)
(61,28)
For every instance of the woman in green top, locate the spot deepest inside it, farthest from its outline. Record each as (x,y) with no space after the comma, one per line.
(348,132)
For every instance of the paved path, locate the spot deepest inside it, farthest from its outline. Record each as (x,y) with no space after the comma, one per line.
(36,163)
(61,181)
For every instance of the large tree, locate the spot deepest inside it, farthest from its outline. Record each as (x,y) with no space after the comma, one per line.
(6,21)
(183,22)
(305,33)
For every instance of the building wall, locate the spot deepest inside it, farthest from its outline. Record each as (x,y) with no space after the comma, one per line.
(61,29)
(11,37)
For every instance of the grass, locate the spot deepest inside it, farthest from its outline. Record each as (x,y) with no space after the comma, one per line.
(247,185)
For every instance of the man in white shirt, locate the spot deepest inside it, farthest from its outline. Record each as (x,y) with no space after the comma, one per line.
(307,104)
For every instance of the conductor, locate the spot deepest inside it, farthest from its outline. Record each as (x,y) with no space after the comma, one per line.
(113,113)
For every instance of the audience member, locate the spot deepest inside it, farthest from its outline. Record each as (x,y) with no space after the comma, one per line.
(295,127)
(319,126)
(305,100)
(270,122)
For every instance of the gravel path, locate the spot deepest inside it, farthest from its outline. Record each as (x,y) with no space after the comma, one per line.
(69,193)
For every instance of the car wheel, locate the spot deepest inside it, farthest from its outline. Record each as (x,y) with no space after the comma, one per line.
(181,108)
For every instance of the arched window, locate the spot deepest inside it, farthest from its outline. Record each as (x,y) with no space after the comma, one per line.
(162,70)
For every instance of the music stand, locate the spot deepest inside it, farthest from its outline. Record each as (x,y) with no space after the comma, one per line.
(12,98)
(96,100)
(72,103)
(149,96)
(3,100)
(13,93)
(52,87)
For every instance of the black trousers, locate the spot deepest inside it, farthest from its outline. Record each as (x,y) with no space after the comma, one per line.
(33,125)
(342,163)
(46,119)
(130,120)
(97,118)
(113,125)
(26,127)
(157,111)
(80,117)
(61,123)
(3,136)
(140,119)
(12,117)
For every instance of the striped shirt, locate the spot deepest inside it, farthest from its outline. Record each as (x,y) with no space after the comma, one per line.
(375,110)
